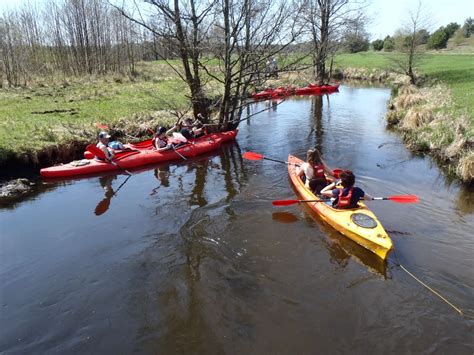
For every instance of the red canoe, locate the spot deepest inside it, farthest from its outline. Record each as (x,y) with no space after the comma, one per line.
(139,157)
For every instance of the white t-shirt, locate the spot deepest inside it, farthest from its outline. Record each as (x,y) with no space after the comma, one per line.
(105,149)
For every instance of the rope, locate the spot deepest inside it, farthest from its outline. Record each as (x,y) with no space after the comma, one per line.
(426,286)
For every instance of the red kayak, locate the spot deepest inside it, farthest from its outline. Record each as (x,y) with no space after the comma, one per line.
(313,89)
(263,95)
(140,157)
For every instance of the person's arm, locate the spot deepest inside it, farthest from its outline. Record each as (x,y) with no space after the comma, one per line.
(327,191)
(367,197)
(300,170)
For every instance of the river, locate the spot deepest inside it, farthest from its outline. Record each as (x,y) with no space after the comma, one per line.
(192,257)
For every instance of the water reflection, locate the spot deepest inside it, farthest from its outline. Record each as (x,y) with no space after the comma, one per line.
(106,183)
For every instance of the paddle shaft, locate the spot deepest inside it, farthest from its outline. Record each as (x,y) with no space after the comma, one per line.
(99,153)
(182,156)
(279,161)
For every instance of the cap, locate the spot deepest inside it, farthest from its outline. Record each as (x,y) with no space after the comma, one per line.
(160,130)
(104,135)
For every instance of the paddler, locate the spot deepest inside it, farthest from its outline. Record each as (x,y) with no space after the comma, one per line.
(348,196)
(313,171)
(103,143)
(160,140)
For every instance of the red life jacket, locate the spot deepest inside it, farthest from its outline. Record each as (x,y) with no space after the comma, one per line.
(318,172)
(344,201)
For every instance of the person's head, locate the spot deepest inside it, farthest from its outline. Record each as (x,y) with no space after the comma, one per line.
(347,178)
(313,156)
(188,122)
(104,136)
(161,131)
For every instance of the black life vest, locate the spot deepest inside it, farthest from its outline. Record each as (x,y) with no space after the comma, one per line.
(162,142)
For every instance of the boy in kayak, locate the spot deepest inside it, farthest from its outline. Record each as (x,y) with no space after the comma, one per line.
(103,143)
(313,171)
(348,196)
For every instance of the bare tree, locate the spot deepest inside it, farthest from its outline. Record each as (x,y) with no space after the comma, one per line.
(326,20)
(241,35)
(407,42)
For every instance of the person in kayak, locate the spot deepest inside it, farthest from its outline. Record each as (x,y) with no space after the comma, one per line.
(349,195)
(160,140)
(312,172)
(103,145)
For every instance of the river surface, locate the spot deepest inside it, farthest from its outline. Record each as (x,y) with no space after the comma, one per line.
(192,257)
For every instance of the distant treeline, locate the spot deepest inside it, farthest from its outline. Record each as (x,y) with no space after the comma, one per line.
(72,37)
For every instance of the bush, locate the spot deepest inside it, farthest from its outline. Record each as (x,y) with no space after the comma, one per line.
(451,29)
(438,39)
(423,36)
(468,27)
(377,45)
(357,43)
(388,44)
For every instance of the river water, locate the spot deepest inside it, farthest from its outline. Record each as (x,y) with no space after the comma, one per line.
(192,257)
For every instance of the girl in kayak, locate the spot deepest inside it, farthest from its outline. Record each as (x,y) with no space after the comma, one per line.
(312,172)
(160,140)
(348,196)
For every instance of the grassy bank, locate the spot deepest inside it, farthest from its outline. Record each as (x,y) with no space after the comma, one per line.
(437,117)
(56,111)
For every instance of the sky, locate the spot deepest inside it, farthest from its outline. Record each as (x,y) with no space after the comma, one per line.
(386,15)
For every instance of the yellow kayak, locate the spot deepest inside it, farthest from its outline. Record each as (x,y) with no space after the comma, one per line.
(358,224)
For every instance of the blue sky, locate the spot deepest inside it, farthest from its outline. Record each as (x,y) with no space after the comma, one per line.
(387,15)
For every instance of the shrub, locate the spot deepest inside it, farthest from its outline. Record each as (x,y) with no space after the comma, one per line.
(388,44)
(423,36)
(377,45)
(468,27)
(451,29)
(438,39)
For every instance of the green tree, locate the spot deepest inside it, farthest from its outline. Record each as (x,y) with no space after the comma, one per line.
(423,36)
(438,39)
(388,44)
(377,45)
(468,27)
(451,29)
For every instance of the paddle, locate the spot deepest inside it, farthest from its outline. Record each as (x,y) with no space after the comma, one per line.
(397,199)
(257,156)
(182,156)
(100,154)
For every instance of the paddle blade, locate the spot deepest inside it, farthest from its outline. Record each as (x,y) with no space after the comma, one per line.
(404,199)
(252,156)
(96,151)
(101,126)
(284,202)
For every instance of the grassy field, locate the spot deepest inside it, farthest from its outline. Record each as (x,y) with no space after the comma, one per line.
(76,105)
(455,70)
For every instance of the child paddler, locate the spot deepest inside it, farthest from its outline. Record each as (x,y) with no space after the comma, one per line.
(348,196)
(312,172)
(103,143)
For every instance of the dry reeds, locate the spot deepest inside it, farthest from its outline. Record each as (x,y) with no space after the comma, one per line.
(465,167)
(416,117)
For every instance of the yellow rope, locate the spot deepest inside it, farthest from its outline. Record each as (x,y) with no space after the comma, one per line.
(429,288)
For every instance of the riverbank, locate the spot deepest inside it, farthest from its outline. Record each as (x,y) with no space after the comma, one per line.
(53,119)
(437,117)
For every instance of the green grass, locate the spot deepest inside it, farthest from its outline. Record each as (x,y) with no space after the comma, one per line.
(455,70)
(104,100)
